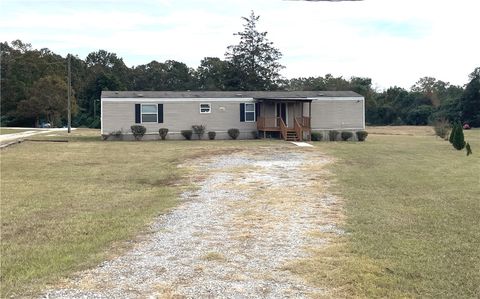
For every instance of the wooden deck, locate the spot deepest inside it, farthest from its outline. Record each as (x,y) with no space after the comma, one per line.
(276,124)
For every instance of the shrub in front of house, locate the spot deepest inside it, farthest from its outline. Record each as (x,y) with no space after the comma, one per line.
(187,134)
(345,135)
(211,135)
(163,133)
(233,133)
(138,131)
(199,130)
(118,134)
(332,135)
(255,134)
(317,136)
(361,135)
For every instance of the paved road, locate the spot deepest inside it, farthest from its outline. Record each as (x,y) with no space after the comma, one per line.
(31,132)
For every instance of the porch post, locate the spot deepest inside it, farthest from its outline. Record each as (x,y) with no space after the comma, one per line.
(264,119)
(310,120)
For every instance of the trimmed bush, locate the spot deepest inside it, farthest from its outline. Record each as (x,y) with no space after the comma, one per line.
(138,131)
(458,138)
(346,135)
(187,134)
(199,130)
(332,135)
(211,135)
(233,133)
(317,136)
(163,133)
(361,135)
(118,134)
(441,128)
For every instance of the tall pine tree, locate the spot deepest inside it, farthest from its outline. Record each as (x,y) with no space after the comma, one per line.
(255,59)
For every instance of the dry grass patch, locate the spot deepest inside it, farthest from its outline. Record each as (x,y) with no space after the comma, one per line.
(412,210)
(214,256)
(401,130)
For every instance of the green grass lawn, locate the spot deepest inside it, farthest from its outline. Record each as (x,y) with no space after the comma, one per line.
(67,206)
(411,202)
(412,207)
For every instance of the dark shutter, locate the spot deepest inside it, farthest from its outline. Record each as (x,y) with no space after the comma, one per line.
(137,113)
(257,110)
(160,113)
(242,112)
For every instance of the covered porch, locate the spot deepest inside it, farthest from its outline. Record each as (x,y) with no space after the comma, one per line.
(289,117)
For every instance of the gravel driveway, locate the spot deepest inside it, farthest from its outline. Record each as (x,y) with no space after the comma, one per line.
(251,214)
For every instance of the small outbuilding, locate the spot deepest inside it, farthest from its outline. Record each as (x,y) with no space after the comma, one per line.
(290,115)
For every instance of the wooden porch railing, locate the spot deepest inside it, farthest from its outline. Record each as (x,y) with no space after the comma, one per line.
(298,129)
(283,128)
(304,121)
(266,123)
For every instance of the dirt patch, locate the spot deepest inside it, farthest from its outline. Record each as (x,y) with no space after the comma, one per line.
(252,214)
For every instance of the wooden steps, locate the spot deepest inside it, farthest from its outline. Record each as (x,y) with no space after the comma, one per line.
(291,136)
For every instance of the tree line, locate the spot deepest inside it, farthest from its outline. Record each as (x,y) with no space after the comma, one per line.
(34,88)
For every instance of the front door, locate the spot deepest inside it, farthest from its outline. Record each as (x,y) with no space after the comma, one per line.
(282,112)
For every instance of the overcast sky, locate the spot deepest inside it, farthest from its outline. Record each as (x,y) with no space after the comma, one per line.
(394,42)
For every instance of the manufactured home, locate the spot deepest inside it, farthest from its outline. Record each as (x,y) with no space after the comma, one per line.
(290,115)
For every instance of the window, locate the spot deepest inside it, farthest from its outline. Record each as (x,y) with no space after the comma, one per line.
(205,108)
(149,113)
(249,112)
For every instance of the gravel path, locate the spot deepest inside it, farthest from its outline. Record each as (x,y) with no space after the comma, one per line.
(231,238)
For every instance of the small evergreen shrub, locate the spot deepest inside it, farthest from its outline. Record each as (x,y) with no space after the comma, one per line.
(441,128)
(459,139)
(346,135)
(138,131)
(361,135)
(199,130)
(163,133)
(469,149)
(317,136)
(187,134)
(332,135)
(211,135)
(233,133)
(452,133)
(116,134)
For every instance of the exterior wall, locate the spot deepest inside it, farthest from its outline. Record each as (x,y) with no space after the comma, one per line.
(336,114)
(119,114)
(346,113)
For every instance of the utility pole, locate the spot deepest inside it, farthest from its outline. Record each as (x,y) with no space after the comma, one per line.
(69,108)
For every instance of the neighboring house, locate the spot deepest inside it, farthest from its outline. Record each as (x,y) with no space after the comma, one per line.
(291,115)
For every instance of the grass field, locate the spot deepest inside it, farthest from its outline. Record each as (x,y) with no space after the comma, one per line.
(63,205)
(412,205)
